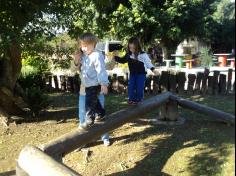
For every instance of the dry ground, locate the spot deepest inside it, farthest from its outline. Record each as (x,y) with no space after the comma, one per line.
(199,147)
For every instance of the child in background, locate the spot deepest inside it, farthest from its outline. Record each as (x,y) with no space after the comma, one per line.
(138,62)
(94,82)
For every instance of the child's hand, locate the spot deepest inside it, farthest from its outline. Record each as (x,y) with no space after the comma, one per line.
(77,58)
(115,53)
(104,89)
(156,72)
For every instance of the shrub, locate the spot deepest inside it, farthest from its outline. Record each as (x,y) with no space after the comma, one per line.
(206,57)
(37,100)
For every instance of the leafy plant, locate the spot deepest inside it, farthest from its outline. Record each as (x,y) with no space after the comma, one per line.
(37,100)
(206,57)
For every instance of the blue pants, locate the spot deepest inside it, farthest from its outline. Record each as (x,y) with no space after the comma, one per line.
(136,87)
(82,110)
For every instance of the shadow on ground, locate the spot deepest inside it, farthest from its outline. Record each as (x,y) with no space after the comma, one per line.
(208,161)
(8,173)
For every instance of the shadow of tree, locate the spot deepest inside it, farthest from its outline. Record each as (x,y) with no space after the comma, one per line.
(8,173)
(208,162)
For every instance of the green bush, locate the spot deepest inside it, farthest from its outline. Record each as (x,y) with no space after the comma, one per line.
(37,100)
(206,57)
(32,71)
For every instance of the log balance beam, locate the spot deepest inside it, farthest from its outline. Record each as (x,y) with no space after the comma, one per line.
(203,109)
(36,163)
(77,138)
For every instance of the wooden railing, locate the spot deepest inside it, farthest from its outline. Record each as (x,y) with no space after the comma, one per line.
(46,160)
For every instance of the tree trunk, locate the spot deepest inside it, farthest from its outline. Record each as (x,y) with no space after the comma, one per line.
(169,46)
(10,67)
(166,53)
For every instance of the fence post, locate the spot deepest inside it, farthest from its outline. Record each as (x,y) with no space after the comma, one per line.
(156,85)
(229,83)
(173,82)
(216,82)
(169,111)
(191,81)
(181,78)
(222,84)
(200,76)
(56,82)
(204,81)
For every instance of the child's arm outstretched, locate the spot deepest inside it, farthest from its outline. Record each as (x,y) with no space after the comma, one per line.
(121,60)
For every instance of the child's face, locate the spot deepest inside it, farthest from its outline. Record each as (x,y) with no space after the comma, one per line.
(132,48)
(87,48)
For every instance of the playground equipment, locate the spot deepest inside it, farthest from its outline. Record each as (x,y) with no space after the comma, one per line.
(46,159)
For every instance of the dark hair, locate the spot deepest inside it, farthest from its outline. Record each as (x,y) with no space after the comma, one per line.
(135,41)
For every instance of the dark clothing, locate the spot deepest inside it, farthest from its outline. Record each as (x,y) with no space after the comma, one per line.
(135,66)
(92,104)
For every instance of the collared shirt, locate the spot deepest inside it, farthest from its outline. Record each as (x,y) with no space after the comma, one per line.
(93,71)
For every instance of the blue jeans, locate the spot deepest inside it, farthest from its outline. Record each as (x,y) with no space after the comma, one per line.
(82,111)
(136,87)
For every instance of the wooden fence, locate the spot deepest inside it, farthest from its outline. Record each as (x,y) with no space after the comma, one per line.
(176,82)
(46,160)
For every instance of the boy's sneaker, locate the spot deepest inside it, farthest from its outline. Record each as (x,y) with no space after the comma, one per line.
(99,118)
(106,142)
(89,121)
(85,125)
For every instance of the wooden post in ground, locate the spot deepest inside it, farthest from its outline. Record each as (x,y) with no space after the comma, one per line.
(115,83)
(70,83)
(121,84)
(169,111)
(181,78)
(216,82)
(76,83)
(50,83)
(148,85)
(63,82)
(173,82)
(56,82)
(36,163)
(210,85)
(222,84)
(204,81)
(191,81)
(199,79)
(110,85)
(229,81)
(156,85)
(164,81)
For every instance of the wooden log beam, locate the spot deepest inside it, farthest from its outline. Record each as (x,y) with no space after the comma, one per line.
(212,112)
(75,139)
(36,163)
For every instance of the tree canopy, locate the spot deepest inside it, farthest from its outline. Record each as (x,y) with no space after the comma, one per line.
(168,22)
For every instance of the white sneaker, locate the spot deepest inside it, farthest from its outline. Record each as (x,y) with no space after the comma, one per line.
(106,143)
